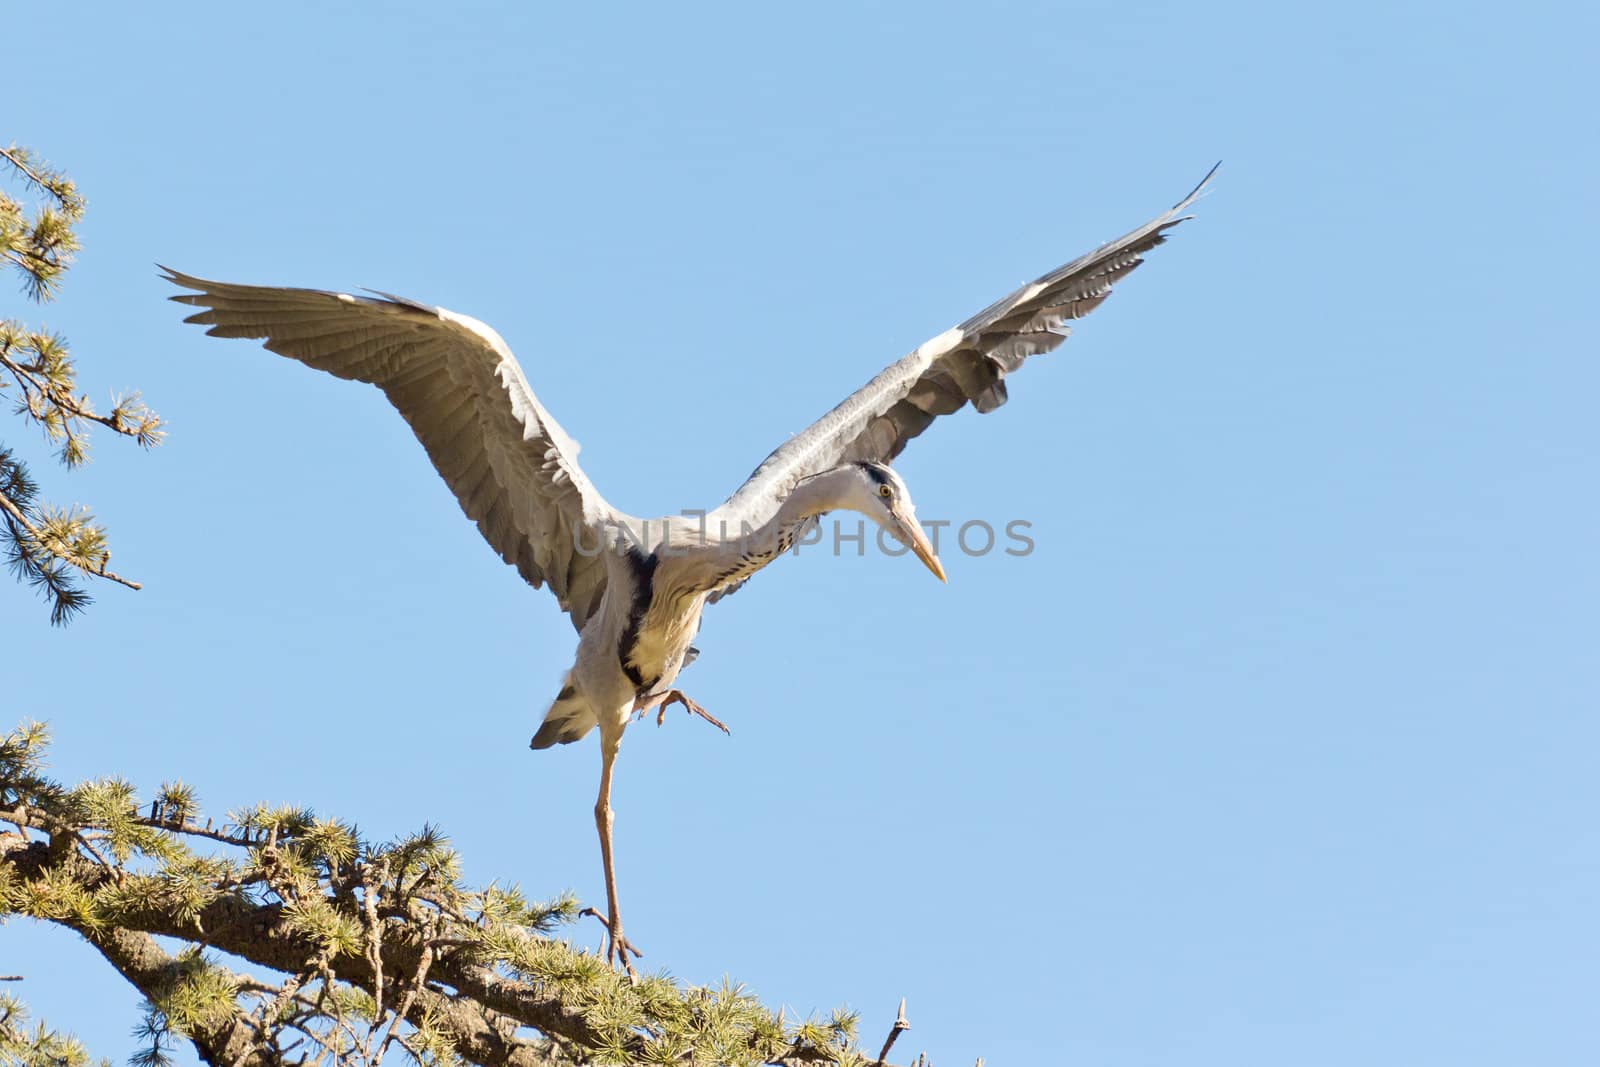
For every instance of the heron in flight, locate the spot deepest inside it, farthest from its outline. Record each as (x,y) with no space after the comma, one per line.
(634,588)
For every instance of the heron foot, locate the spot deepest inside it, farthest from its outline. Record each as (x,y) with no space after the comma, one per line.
(617,947)
(676,696)
(661,701)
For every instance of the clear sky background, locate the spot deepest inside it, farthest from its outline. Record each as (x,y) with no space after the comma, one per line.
(1279,748)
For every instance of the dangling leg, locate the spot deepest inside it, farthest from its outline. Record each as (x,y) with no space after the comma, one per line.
(617,946)
(676,696)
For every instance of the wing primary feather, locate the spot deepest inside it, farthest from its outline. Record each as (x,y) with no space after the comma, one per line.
(968,363)
(509,464)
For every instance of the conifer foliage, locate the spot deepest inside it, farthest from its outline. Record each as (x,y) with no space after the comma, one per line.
(48,547)
(281,937)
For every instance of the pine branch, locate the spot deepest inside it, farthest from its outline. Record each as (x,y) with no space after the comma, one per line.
(39,373)
(40,1047)
(45,181)
(44,542)
(298,934)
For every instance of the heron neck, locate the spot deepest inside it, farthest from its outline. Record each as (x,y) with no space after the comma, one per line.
(813,496)
(744,552)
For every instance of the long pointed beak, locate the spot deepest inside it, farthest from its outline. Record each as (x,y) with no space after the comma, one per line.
(922,547)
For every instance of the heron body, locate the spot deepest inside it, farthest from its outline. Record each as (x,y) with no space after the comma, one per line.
(635,589)
(631,650)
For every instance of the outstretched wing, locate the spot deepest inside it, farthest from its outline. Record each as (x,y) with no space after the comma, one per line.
(966,363)
(508,462)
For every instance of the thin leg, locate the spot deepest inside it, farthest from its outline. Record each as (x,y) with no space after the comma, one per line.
(617,946)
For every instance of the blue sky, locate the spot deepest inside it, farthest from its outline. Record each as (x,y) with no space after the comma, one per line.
(1279,748)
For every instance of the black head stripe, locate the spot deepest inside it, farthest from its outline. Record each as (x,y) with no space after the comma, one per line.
(876,472)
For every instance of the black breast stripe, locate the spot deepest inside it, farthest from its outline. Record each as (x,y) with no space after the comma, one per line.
(644,571)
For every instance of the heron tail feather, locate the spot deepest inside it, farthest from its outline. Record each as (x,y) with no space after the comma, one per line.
(568,720)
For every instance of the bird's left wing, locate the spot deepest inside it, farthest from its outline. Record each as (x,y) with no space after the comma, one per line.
(511,466)
(966,363)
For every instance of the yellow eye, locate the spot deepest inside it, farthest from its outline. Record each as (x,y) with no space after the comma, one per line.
(885,492)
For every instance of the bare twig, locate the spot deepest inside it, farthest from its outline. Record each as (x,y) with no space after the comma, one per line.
(899,1026)
(369,910)
(240,839)
(259,1019)
(417,982)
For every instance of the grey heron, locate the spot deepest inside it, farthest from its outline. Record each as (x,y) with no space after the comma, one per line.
(635,589)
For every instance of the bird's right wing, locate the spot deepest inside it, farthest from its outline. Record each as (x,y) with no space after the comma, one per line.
(511,466)
(965,364)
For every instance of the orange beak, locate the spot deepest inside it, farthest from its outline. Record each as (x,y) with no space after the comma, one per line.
(921,546)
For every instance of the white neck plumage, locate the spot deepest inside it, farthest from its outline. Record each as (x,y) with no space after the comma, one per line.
(747,550)
(833,490)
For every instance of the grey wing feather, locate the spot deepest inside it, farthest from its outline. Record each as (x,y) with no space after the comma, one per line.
(509,464)
(965,364)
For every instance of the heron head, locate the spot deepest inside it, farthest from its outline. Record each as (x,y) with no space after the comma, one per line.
(884,499)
